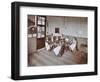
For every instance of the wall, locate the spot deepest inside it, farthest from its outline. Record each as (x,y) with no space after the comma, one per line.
(73,26)
(32,45)
(5,41)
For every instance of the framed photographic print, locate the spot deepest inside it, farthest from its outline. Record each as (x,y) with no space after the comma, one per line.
(53,40)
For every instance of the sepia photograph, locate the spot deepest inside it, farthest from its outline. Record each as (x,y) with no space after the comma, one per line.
(57,40)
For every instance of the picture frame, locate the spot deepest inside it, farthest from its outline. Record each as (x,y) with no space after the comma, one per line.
(19,13)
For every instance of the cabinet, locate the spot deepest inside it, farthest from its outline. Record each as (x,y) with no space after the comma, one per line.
(36,32)
(41,31)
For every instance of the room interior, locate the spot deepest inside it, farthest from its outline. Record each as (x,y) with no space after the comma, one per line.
(57,40)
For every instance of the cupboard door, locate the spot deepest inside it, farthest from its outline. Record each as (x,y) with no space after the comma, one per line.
(41,31)
(40,43)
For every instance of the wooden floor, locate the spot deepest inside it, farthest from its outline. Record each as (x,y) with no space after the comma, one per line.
(44,58)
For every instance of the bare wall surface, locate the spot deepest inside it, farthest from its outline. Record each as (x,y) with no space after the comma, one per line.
(73,26)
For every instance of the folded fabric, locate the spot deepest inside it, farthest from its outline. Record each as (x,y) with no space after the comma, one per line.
(47,46)
(73,45)
(57,50)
